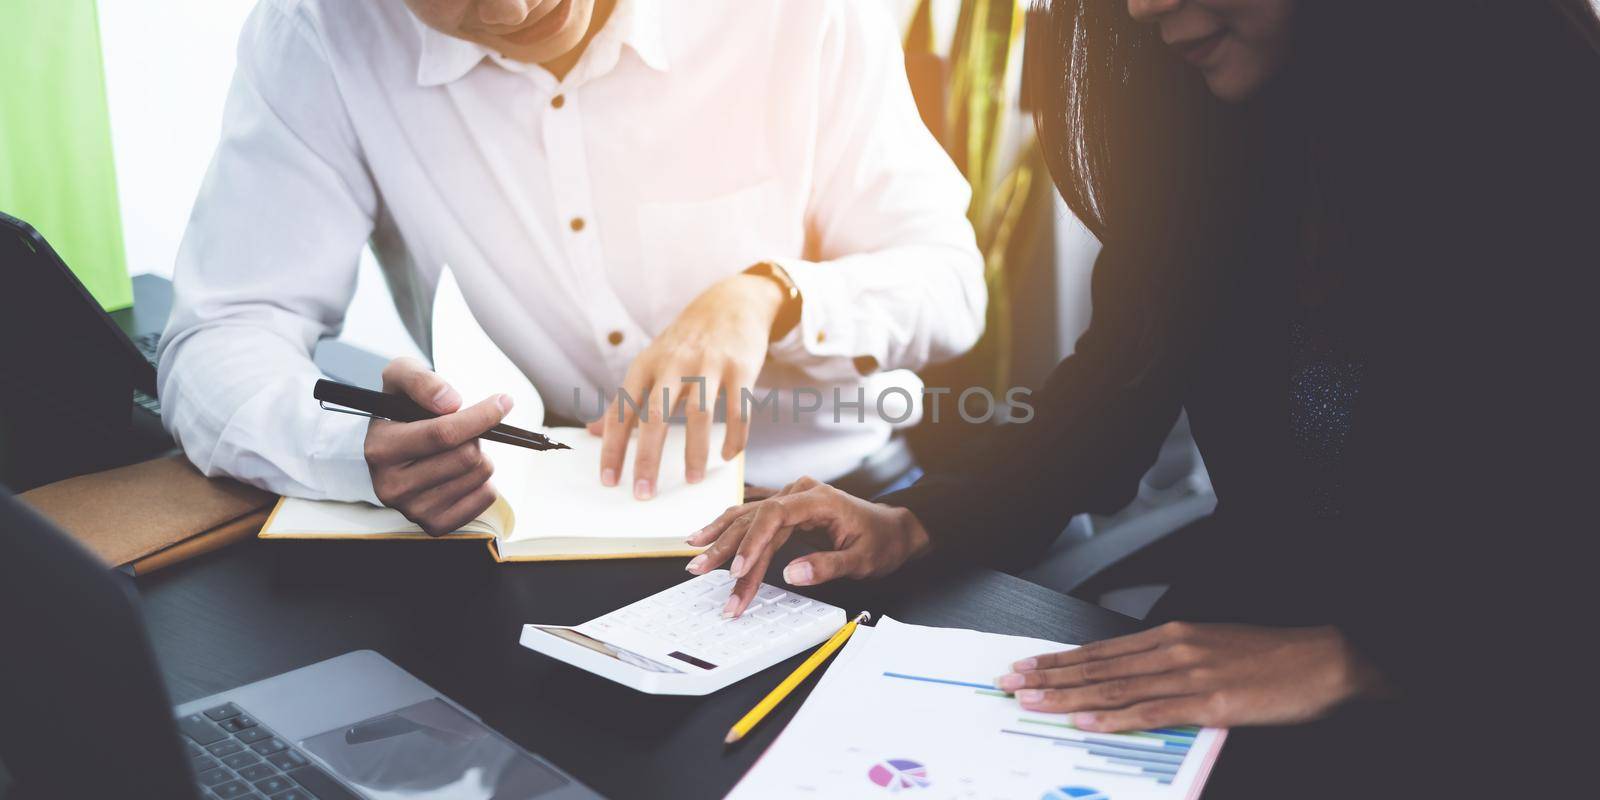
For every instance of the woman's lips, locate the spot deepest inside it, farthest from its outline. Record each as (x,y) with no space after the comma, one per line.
(1196,51)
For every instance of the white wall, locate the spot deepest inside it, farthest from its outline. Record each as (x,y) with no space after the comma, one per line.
(168,67)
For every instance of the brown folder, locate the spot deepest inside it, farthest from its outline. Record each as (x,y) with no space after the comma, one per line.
(153,514)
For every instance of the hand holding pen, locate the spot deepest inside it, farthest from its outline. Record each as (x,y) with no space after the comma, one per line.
(428,465)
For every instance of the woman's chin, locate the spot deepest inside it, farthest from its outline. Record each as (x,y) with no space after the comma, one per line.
(1235,85)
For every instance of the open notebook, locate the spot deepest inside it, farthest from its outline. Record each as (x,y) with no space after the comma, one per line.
(551,504)
(557,508)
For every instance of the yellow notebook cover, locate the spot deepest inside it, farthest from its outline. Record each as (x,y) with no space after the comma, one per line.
(551,507)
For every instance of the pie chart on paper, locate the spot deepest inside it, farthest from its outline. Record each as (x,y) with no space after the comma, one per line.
(899,774)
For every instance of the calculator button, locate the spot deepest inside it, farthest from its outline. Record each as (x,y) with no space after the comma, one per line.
(704,606)
(694,625)
(819,610)
(696,588)
(745,624)
(717,578)
(793,602)
(769,592)
(769,613)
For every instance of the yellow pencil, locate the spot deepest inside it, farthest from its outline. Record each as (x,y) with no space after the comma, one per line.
(776,696)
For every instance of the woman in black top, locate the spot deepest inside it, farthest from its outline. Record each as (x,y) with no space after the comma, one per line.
(1391,207)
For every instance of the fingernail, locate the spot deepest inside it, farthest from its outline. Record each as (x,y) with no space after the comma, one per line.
(727,610)
(1009,682)
(693,475)
(798,574)
(608,477)
(446,398)
(736,569)
(642,489)
(693,537)
(1025,664)
(695,564)
(1085,720)
(504,402)
(1030,696)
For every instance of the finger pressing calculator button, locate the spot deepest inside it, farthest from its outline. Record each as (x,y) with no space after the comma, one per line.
(744,623)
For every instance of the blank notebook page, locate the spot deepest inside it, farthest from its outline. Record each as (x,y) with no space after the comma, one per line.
(561,495)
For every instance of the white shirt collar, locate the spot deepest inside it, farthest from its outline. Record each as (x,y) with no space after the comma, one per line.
(635,23)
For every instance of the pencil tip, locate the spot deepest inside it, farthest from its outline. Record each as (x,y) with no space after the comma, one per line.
(733,736)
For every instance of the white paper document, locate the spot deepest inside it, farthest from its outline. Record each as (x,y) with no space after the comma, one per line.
(912,711)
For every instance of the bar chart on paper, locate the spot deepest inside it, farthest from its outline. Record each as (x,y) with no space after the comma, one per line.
(1155,755)
(912,711)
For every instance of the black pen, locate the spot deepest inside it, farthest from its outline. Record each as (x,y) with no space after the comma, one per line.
(367,403)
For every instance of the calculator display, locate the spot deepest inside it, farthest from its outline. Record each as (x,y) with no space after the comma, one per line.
(606,648)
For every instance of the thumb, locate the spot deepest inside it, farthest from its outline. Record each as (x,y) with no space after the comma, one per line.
(413,379)
(810,570)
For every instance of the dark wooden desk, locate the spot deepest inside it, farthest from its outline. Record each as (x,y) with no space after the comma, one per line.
(451,617)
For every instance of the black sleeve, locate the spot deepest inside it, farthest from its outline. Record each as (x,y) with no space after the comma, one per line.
(1097,426)
(1471,496)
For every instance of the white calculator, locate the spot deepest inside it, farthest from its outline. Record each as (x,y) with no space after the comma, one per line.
(677,642)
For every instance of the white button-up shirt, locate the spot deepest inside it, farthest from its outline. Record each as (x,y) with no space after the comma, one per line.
(580,216)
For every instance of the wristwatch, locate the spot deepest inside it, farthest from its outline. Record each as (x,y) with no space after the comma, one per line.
(789,312)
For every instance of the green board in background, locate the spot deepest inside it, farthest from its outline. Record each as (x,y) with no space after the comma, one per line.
(56,168)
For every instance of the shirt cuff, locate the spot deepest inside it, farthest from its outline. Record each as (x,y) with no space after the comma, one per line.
(339,459)
(825,340)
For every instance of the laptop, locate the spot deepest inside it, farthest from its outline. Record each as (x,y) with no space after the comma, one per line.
(83,712)
(78,393)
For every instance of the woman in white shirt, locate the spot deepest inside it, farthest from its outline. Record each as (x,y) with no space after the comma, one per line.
(629,193)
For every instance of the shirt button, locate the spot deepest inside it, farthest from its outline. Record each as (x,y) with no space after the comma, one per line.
(558,101)
(822,336)
(577,224)
(614,337)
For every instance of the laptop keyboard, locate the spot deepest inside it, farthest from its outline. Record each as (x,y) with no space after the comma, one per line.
(235,757)
(147,346)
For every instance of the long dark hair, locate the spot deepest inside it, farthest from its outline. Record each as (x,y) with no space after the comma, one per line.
(1161,172)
